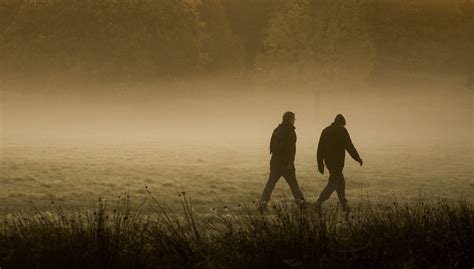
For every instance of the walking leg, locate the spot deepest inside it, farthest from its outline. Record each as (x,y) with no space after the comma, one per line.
(341,191)
(327,191)
(290,177)
(267,191)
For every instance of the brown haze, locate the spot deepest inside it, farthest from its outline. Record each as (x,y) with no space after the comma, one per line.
(188,94)
(232,112)
(136,133)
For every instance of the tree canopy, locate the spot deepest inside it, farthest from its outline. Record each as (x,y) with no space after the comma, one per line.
(173,38)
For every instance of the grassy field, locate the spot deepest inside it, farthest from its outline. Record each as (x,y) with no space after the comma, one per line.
(189,206)
(216,176)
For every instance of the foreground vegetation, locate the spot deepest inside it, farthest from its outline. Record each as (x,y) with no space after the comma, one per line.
(118,235)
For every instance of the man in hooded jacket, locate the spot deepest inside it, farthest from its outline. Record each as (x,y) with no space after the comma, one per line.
(332,146)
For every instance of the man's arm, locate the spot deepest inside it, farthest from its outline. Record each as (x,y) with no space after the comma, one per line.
(350,147)
(320,154)
(290,148)
(272,143)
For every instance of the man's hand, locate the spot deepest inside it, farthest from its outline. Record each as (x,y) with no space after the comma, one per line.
(321,169)
(360,161)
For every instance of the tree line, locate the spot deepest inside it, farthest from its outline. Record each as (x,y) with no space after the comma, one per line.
(174,38)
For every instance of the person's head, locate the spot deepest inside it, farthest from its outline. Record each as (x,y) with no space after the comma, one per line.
(289,118)
(340,120)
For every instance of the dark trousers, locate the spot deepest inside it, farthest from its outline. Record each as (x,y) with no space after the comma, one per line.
(290,177)
(336,183)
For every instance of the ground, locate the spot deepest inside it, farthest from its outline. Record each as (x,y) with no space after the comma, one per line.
(215,177)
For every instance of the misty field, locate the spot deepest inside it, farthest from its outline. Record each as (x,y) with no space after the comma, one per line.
(134,133)
(182,205)
(153,206)
(155,180)
(215,177)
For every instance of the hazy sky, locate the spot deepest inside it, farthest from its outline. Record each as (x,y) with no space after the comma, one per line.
(230,112)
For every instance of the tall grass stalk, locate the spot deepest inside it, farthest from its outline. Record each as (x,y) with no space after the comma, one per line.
(119,235)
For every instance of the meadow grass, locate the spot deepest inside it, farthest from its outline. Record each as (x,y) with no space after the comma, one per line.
(76,176)
(52,217)
(119,234)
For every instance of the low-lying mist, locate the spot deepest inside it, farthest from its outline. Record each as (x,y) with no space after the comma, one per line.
(232,112)
(76,142)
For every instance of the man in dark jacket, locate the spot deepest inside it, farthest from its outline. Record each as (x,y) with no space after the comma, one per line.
(283,150)
(333,143)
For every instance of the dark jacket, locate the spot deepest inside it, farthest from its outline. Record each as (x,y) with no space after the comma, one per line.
(283,146)
(333,143)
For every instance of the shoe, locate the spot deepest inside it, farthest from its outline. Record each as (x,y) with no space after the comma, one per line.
(302,205)
(346,208)
(317,207)
(262,207)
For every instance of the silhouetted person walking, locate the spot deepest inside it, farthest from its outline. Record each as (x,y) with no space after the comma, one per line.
(333,143)
(283,150)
